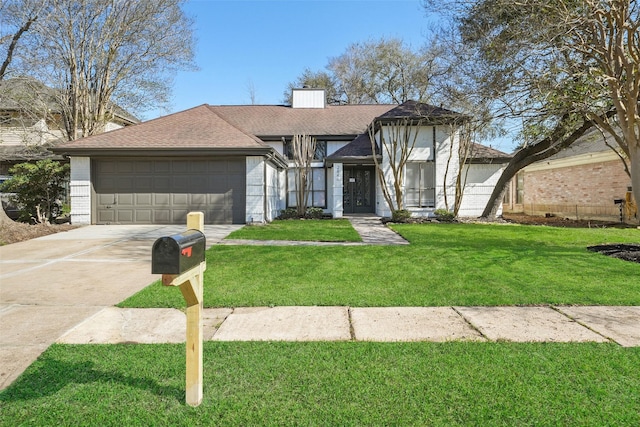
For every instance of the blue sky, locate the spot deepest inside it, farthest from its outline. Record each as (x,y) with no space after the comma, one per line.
(265,44)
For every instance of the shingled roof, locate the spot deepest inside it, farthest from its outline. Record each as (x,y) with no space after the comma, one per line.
(483,154)
(420,110)
(197,128)
(267,121)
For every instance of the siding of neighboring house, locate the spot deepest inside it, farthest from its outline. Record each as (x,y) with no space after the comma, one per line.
(581,184)
(37,134)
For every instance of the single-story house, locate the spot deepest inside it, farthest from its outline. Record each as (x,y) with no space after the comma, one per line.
(583,181)
(234,163)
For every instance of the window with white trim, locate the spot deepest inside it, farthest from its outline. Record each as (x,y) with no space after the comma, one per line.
(318,193)
(419,185)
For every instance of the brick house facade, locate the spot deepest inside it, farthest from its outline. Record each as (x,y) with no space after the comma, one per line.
(581,182)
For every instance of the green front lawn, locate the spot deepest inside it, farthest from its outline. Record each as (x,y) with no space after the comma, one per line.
(340,383)
(314,230)
(445,264)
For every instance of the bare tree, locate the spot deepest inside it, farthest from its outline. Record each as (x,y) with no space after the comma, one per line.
(17,18)
(377,72)
(304,149)
(102,54)
(397,140)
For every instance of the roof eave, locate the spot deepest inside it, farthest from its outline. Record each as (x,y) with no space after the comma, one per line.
(488,160)
(330,161)
(162,152)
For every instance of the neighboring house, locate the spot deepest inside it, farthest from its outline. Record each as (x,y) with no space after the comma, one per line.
(233,164)
(580,182)
(31,121)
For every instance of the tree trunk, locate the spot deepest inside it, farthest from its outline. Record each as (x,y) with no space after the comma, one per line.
(4,218)
(530,154)
(634,160)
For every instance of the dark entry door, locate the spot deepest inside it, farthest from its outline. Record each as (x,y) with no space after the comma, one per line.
(358,189)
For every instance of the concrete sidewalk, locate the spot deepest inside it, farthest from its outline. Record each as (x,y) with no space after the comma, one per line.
(619,325)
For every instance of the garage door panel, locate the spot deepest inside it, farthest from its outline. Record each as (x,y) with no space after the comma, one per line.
(161,199)
(124,216)
(143,215)
(162,167)
(106,199)
(106,216)
(143,183)
(161,216)
(144,199)
(179,183)
(179,199)
(161,183)
(126,199)
(125,167)
(145,166)
(106,166)
(124,182)
(180,166)
(163,191)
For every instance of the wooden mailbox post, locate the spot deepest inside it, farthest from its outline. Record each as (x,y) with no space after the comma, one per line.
(190,256)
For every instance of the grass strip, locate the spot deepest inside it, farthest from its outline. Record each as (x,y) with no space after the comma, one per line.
(311,230)
(338,383)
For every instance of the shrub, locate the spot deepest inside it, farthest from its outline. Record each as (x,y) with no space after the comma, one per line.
(38,188)
(289,213)
(401,215)
(314,213)
(444,215)
(292,213)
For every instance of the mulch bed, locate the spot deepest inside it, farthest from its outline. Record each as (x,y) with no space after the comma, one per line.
(14,232)
(622,251)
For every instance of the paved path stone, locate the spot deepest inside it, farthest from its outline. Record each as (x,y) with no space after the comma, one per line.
(527,324)
(114,325)
(621,324)
(285,324)
(373,232)
(411,324)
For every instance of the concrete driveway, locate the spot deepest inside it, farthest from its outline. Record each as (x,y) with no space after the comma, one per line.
(50,284)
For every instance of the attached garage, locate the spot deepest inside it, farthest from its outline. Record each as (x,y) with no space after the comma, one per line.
(162,191)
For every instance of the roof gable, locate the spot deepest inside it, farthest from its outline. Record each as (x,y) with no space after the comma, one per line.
(198,127)
(420,110)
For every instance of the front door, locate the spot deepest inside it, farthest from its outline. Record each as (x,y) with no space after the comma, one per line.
(358,189)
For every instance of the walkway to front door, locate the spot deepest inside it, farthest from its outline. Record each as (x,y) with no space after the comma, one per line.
(358,189)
